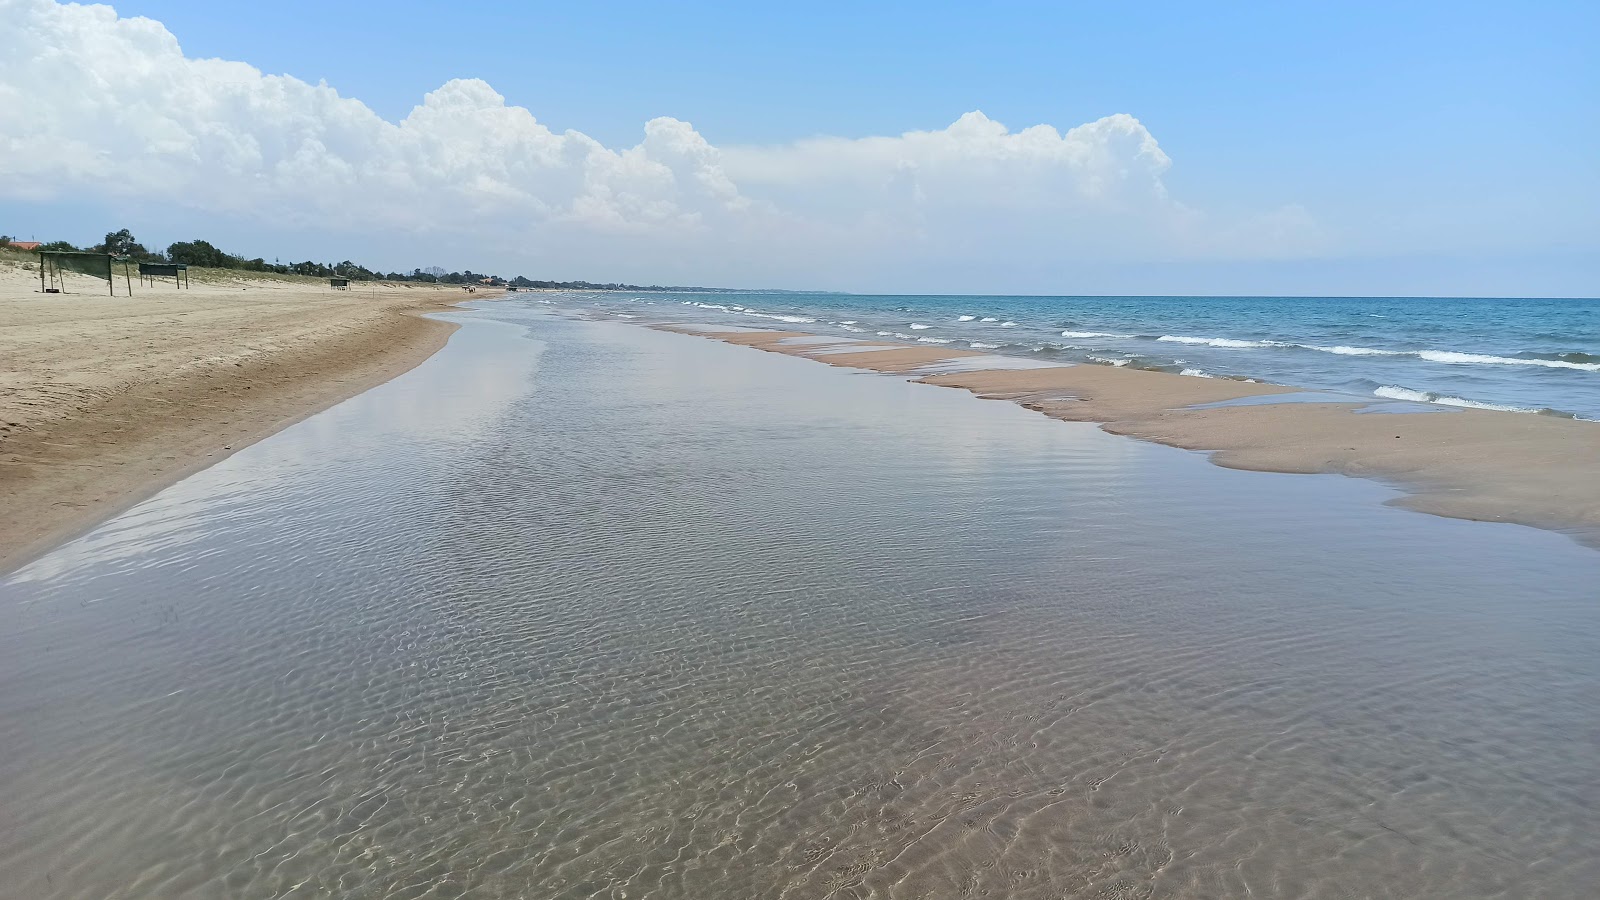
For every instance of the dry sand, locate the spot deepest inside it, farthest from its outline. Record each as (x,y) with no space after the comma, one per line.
(104,401)
(1476,464)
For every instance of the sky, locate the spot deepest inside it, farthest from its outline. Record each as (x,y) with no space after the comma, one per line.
(1154,148)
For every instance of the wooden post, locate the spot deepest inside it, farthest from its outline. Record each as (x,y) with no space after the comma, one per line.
(41,273)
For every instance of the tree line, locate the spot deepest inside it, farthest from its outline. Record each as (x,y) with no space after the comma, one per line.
(201,253)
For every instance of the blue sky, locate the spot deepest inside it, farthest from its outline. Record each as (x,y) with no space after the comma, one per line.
(1432,146)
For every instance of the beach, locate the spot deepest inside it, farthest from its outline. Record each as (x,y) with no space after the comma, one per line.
(108,399)
(837,452)
(1488,465)
(580,608)
(104,400)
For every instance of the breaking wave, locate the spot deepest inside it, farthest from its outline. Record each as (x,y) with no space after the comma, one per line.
(1395,392)
(1093,334)
(795,320)
(1355,351)
(1454,358)
(1229,343)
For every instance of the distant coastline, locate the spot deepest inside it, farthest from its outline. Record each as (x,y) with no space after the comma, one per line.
(84,433)
(204,254)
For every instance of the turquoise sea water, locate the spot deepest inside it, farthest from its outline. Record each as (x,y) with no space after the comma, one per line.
(1534,355)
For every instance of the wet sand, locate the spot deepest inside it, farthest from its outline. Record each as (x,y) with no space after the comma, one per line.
(105,400)
(1483,465)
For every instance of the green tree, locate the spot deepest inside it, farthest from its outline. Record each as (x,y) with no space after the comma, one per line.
(201,253)
(121,243)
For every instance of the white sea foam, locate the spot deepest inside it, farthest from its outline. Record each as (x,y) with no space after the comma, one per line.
(1105,360)
(1395,392)
(1448,357)
(1454,358)
(847,322)
(918,326)
(852,328)
(1196,373)
(988,319)
(1229,343)
(1093,334)
(980,345)
(795,320)
(928,340)
(624,316)
(965,318)
(1355,351)
(1008,324)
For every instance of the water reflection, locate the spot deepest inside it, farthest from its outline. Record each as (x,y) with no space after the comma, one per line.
(603,611)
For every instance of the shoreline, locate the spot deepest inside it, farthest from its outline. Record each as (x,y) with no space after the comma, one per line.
(70,460)
(1474,464)
(88,430)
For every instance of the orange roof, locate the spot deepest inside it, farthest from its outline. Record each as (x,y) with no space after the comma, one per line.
(25,245)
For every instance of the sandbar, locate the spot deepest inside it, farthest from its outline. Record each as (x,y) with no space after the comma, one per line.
(1484,465)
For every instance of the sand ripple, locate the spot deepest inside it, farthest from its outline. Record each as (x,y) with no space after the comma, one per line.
(682,620)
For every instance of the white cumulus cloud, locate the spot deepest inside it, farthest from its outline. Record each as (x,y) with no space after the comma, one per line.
(91,102)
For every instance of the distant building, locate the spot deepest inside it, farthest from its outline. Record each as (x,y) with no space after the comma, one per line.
(24,245)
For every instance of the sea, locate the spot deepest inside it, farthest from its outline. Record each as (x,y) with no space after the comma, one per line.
(580,609)
(1528,355)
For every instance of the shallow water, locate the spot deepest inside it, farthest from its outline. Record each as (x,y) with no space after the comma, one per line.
(1523,354)
(598,611)
(1367,406)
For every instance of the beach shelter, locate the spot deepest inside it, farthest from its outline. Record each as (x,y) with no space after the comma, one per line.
(178,272)
(339,284)
(55,264)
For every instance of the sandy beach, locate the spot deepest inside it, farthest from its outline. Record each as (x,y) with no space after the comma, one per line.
(1477,464)
(104,400)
